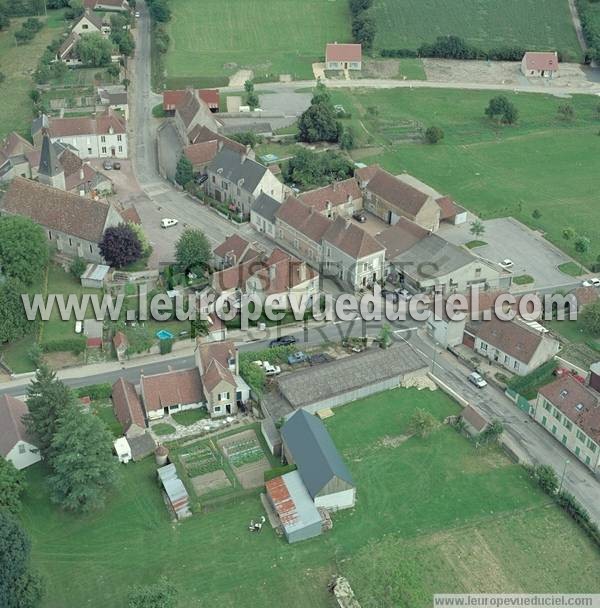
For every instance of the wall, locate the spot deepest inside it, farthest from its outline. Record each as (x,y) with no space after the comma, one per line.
(339,500)
(23,455)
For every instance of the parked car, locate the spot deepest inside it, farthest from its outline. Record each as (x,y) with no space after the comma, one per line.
(298,357)
(137,14)
(107,165)
(271,370)
(283,341)
(593,282)
(359,216)
(200,179)
(78,327)
(116,166)
(477,380)
(506,264)
(168,222)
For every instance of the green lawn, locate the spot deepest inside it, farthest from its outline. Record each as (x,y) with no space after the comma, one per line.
(432,515)
(271,37)
(17,63)
(190,416)
(163,428)
(104,410)
(541,163)
(572,269)
(535,24)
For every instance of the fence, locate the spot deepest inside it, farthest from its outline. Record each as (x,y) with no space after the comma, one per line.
(521,402)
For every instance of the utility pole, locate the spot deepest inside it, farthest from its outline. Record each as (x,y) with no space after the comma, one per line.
(562,479)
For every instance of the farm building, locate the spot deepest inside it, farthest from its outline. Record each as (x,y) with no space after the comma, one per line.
(357,376)
(475,423)
(271,435)
(543,65)
(94,276)
(289,498)
(175,490)
(343,56)
(308,445)
(15,443)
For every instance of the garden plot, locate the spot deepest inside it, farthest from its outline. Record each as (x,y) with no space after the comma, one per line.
(247,458)
(204,470)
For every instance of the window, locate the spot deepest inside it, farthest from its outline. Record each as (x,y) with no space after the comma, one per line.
(103,138)
(477,272)
(483,346)
(564,439)
(506,358)
(557,415)
(591,445)
(587,460)
(217,409)
(544,420)
(84,26)
(89,150)
(21,449)
(91,249)
(580,436)
(103,149)
(224,396)
(516,365)
(50,235)
(70,242)
(119,138)
(547,406)
(577,450)
(568,424)
(120,148)
(554,429)
(213,179)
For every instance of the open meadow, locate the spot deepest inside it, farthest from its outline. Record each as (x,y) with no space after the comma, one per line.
(432,515)
(18,63)
(544,162)
(270,37)
(535,24)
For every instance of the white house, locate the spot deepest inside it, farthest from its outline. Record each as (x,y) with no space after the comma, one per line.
(15,443)
(541,65)
(171,392)
(343,56)
(104,136)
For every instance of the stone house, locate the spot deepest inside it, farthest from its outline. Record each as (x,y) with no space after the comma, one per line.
(540,64)
(339,198)
(343,56)
(16,445)
(73,225)
(570,411)
(262,214)
(171,392)
(90,23)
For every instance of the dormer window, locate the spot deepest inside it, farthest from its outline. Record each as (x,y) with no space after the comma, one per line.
(564,393)
(579,407)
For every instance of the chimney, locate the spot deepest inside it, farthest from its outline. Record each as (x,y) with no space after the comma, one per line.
(81,173)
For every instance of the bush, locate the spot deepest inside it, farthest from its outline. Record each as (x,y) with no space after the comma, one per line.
(75,345)
(546,478)
(166,346)
(527,385)
(95,391)
(433,135)
(77,267)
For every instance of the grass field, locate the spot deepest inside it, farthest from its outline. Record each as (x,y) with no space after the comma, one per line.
(535,24)
(18,63)
(542,163)
(267,36)
(421,505)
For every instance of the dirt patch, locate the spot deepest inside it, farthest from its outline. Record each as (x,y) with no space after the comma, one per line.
(62,360)
(233,103)
(246,456)
(393,441)
(203,484)
(380,68)
(239,78)
(318,71)
(252,475)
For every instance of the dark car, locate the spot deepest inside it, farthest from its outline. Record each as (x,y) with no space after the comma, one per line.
(282,341)
(200,179)
(116,166)
(359,216)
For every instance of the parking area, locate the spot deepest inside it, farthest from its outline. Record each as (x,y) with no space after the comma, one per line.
(507,238)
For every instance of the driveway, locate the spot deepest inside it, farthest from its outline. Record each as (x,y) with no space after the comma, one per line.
(508,238)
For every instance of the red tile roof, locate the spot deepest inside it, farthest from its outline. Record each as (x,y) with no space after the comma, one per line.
(101,125)
(577,402)
(12,429)
(338,193)
(214,363)
(201,153)
(448,208)
(397,192)
(351,239)
(171,99)
(171,388)
(282,501)
(364,174)
(120,339)
(282,272)
(401,237)
(511,338)
(236,276)
(343,52)
(127,405)
(546,61)
(232,247)
(94,343)
(131,216)
(302,218)
(474,418)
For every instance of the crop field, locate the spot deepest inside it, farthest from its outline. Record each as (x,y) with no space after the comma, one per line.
(421,505)
(199,460)
(494,171)
(243,452)
(535,24)
(270,37)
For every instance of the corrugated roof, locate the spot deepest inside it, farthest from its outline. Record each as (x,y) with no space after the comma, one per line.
(313,451)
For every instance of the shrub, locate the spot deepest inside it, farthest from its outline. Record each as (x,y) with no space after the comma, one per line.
(95,391)
(75,345)
(433,135)
(77,267)
(546,478)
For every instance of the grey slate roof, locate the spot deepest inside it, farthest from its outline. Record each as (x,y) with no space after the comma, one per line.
(266,207)
(49,163)
(316,384)
(141,445)
(236,167)
(313,451)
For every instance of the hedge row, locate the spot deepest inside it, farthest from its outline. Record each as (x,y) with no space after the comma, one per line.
(75,345)
(95,391)
(527,385)
(590,24)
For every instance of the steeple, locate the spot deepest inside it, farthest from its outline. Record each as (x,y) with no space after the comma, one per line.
(50,171)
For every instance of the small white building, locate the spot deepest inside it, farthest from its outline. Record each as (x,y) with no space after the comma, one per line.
(95,276)
(540,65)
(15,443)
(343,56)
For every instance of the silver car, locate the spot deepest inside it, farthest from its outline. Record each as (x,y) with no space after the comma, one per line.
(477,380)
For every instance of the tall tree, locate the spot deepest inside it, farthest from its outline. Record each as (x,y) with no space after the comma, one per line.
(23,249)
(47,398)
(364,30)
(319,123)
(12,485)
(83,466)
(19,586)
(590,318)
(120,246)
(13,320)
(193,251)
(185,170)
(502,110)
(94,50)
(358,6)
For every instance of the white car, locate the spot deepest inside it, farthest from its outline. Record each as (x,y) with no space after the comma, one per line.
(168,222)
(593,282)
(78,327)
(477,380)
(506,264)
(271,370)
(137,14)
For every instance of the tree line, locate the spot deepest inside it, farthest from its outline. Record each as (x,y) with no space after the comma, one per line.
(363,24)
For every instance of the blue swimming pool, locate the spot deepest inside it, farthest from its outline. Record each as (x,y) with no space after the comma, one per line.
(164,334)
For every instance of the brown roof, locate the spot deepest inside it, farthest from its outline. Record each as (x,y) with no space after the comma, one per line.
(401,237)
(282,272)
(171,388)
(188,107)
(448,208)
(343,52)
(52,208)
(201,134)
(303,218)
(364,174)
(14,144)
(338,193)
(12,429)
(577,402)
(351,239)
(397,192)
(75,179)
(214,362)
(101,125)
(171,99)
(127,405)
(120,339)
(201,153)
(474,418)
(96,18)
(67,45)
(131,216)
(233,247)
(511,338)
(547,61)
(236,276)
